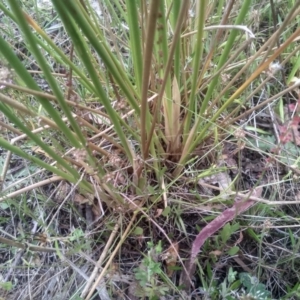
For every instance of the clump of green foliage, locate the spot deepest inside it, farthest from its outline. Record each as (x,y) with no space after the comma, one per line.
(130,109)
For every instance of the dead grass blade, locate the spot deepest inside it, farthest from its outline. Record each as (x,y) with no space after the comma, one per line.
(229,214)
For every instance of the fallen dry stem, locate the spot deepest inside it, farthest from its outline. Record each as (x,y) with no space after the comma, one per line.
(246,196)
(9,128)
(31,187)
(27,246)
(101,258)
(112,256)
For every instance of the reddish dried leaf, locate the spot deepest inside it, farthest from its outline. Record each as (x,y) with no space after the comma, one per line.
(289,132)
(294,106)
(229,214)
(295,120)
